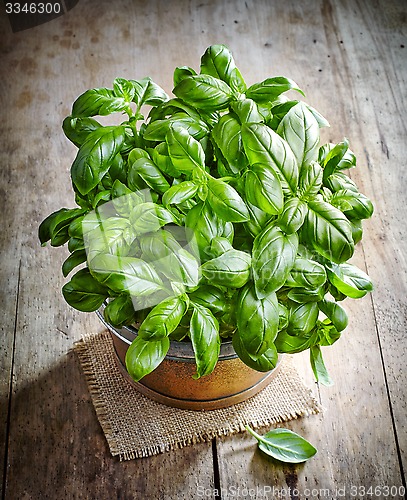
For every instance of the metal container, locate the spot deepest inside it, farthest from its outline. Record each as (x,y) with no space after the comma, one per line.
(171,383)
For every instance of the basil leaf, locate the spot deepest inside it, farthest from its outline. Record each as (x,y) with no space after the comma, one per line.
(119,311)
(219,63)
(338,158)
(99,101)
(209,297)
(291,344)
(205,226)
(204,329)
(318,366)
(78,129)
(327,332)
(258,219)
(339,181)
(231,269)
(148,92)
(226,202)
(150,173)
(349,280)
(157,130)
(55,226)
(204,92)
(273,258)
(143,356)
(126,274)
(228,137)
(263,189)
(148,217)
(179,193)
(257,320)
(185,152)
(268,90)
(335,313)
(328,231)
(355,205)
(263,363)
(167,256)
(303,295)
(301,130)
(263,145)
(284,445)
(292,216)
(219,246)
(75,259)
(84,292)
(118,169)
(163,319)
(95,157)
(303,318)
(247,111)
(182,72)
(162,159)
(310,181)
(124,88)
(306,273)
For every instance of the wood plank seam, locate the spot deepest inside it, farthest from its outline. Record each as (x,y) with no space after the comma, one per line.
(216,471)
(8,422)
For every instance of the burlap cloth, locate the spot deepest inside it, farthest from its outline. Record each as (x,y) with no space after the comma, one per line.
(135,426)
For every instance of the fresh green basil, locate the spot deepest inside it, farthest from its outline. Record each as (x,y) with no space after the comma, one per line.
(226,202)
(268,90)
(263,145)
(292,216)
(218,62)
(185,152)
(273,258)
(335,312)
(204,92)
(120,311)
(150,173)
(303,318)
(101,101)
(284,445)
(318,366)
(306,273)
(263,363)
(349,280)
(204,329)
(143,356)
(231,269)
(163,319)
(257,320)
(263,189)
(179,193)
(228,137)
(84,292)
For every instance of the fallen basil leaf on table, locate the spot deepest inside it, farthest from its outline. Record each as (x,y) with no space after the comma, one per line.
(284,445)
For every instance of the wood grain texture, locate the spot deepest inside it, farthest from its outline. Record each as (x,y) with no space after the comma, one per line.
(350,59)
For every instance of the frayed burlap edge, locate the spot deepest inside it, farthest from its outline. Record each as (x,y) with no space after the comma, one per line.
(120,407)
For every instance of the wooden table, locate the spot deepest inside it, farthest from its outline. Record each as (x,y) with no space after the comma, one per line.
(350,58)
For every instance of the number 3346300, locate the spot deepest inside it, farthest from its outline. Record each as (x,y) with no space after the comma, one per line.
(33,8)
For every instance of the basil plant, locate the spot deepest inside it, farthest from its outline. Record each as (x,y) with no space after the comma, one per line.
(219,217)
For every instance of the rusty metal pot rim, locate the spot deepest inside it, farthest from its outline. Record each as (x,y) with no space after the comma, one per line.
(178,351)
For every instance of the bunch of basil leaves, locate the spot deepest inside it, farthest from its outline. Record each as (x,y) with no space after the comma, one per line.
(273,212)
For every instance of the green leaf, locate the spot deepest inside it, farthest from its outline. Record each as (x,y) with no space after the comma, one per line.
(338,158)
(185,152)
(143,356)
(355,205)
(84,292)
(179,193)
(306,273)
(263,145)
(301,130)
(257,320)
(219,63)
(126,274)
(247,111)
(99,101)
(273,258)
(335,312)
(284,445)
(95,157)
(303,295)
(209,297)
(124,88)
(263,189)
(162,159)
(148,217)
(328,231)
(292,216)
(78,129)
(119,311)
(204,92)
(205,226)
(167,256)
(157,130)
(150,173)
(226,202)
(75,259)
(258,219)
(292,344)
(148,92)
(303,318)
(310,180)
(182,72)
(263,363)
(163,319)
(55,227)
(268,90)
(349,280)
(318,366)
(228,137)
(204,330)
(231,269)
